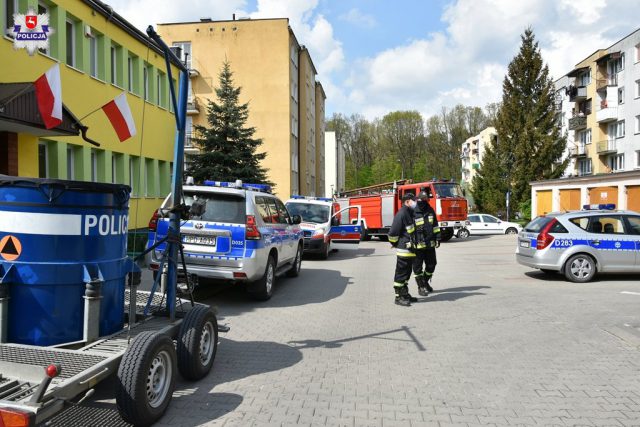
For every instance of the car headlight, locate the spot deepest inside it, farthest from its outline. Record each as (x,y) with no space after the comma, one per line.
(318,234)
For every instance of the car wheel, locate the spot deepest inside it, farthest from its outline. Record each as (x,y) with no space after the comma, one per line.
(297,263)
(511,231)
(446,234)
(463,233)
(263,288)
(325,251)
(549,272)
(580,268)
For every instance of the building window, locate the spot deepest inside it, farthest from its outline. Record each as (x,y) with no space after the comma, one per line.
(584,136)
(145,83)
(71,42)
(94,165)
(161,84)
(621,95)
(43,160)
(116,66)
(584,167)
(616,162)
(637,88)
(71,162)
(130,74)
(134,175)
(93,54)
(10,7)
(185,53)
(42,8)
(620,129)
(638,159)
(584,79)
(114,169)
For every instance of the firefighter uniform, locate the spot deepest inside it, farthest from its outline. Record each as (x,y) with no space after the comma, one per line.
(402,237)
(427,239)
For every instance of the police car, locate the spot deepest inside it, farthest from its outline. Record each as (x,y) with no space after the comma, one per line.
(324,225)
(244,235)
(580,244)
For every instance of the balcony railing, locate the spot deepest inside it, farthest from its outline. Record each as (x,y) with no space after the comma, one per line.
(577,122)
(607,81)
(607,114)
(581,150)
(606,147)
(189,146)
(192,106)
(577,93)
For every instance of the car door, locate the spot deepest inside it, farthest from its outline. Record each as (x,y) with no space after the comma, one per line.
(291,235)
(277,228)
(633,233)
(606,234)
(491,224)
(345,228)
(475,226)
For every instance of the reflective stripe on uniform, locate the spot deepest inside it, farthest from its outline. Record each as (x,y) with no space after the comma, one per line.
(421,246)
(428,274)
(404,253)
(420,221)
(436,229)
(411,229)
(399,285)
(393,239)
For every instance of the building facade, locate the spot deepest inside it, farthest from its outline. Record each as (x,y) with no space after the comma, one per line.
(604,98)
(564,112)
(101,55)
(334,165)
(278,80)
(320,142)
(471,154)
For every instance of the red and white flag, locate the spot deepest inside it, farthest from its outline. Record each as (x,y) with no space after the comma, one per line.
(120,116)
(49,97)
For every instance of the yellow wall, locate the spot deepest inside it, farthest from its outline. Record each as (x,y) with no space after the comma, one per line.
(83,94)
(307,125)
(320,127)
(259,54)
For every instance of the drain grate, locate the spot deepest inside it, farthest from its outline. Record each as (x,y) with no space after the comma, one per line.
(72,362)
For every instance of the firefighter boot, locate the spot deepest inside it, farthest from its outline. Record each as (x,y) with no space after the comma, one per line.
(427,282)
(402,296)
(422,289)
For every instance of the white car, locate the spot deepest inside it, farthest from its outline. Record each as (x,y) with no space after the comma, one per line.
(489,224)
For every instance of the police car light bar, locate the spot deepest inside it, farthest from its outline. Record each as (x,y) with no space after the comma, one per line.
(239,184)
(606,207)
(321,199)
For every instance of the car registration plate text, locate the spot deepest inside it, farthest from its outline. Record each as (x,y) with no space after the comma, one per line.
(525,244)
(199,240)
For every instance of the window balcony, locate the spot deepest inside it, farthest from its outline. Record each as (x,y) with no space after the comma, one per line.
(578,122)
(577,93)
(192,106)
(581,150)
(607,114)
(606,82)
(606,147)
(189,145)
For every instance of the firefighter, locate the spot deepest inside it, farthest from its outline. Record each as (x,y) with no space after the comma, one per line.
(402,237)
(427,240)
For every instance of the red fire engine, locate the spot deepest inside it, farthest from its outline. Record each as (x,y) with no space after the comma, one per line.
(379,204)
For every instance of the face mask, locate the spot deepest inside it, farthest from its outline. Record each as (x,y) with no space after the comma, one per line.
(413,204)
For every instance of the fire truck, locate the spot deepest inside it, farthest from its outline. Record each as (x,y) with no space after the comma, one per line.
(379,204)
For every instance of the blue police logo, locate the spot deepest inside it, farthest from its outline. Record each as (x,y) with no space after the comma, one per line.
(30,31)
(618,245)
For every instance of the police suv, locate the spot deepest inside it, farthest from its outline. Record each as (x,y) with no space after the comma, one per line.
(580,244)
(242,234)
(324,225)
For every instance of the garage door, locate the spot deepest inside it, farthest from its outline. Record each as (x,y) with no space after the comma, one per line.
(543,199)
(603,195)
(633,198)
(570,199)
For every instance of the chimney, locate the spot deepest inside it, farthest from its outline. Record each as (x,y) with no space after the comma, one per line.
(205,19)
(234,16)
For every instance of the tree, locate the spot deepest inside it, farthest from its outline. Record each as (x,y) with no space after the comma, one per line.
(404,132)
(227,146)
(530,143)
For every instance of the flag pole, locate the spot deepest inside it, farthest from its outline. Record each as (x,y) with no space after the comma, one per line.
(94,111)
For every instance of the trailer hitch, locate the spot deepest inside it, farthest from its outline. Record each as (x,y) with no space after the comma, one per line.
(50,372)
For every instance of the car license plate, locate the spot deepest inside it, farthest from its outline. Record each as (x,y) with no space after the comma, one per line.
(525,244)
(199,240)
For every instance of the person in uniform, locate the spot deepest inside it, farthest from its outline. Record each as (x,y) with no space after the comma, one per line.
(427,240)
(402,237)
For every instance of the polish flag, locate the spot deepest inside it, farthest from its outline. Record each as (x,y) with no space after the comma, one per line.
(49,97)
(120,116)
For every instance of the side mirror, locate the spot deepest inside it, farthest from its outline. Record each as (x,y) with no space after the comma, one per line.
(198,208)
(335,221)
(297,219)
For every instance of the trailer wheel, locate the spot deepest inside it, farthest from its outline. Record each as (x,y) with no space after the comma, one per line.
(197,343)
(146,378)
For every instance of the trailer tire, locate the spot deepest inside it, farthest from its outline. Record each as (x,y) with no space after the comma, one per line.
(197,343)
(146,378)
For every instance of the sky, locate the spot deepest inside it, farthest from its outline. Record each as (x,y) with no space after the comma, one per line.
(377,56)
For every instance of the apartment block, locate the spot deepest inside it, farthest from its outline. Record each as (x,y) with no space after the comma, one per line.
(278,80)
(101,55)
(320,141)
(335,165)
(604,132)
(471,154)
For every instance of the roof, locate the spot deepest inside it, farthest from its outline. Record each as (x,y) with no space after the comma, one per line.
(117,19)
(576,71)
(212,21)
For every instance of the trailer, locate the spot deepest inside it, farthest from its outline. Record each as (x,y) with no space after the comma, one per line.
(71,314)
(379,204)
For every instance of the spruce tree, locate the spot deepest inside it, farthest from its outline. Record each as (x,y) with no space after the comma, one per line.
(530,143)
(227,146)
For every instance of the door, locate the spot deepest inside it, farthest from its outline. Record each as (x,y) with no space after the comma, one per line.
(543,200)
(291,234)
(633,198)
(277,229)
(345,228)
(570,199)
(476,226)
(603,195)
(633,233)
(607,237)
(492,225)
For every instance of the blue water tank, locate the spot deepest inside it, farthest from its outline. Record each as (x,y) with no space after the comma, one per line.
(55,236)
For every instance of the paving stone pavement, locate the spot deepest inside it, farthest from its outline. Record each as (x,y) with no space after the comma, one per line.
(496,344)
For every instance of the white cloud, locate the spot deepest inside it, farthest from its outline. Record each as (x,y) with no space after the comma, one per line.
(358,18)
(466,62)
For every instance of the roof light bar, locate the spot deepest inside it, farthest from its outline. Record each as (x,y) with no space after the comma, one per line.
(239,184)
(321,199)
(602,206)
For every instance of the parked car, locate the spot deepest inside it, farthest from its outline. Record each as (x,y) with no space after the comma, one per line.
(324,225)
(580,244)
(244,234)
(489,224)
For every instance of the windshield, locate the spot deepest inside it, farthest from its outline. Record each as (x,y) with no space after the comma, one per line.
(318,214)
(448,190)
(219,207)
(538,224)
